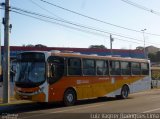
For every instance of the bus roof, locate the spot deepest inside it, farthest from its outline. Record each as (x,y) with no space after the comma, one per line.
(95,56)
(92,56)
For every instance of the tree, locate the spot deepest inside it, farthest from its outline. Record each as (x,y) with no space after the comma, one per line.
(152,57)
(40,45)
(30,45)
(139,48)
(158,56)
(98,46)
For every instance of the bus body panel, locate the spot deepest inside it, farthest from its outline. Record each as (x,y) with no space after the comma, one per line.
(38,94)
(85,86)
(90,87)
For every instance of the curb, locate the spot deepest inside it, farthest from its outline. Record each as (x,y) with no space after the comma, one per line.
(17,102)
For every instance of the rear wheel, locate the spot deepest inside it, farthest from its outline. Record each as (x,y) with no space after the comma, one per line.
(124,92)
(69,98)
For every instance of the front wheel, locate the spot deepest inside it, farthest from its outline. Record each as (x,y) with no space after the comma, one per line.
(69,98)
(124,92)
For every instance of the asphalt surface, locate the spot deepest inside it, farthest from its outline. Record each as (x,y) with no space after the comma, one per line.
(143,104)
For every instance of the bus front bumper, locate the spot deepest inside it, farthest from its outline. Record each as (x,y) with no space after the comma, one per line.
(36,97)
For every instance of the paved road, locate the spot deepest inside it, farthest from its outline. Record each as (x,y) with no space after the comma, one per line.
(143,102)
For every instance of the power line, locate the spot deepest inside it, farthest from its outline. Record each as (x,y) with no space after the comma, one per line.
(71,23)
(48,21)
(64,21)
(53,13)
(141,7)
(127,40)
(33,2)
(70,26)
(95,19)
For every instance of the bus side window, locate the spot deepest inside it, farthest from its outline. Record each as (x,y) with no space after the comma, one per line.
(102,67)
(136,69)
(74,66)
(144,69)
(115,68)
(56,68)
(125,68)
(89,67)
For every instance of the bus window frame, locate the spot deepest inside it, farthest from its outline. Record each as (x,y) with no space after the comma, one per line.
(107,67)
(67,69)
(49,77)
(143,69)
(94,67)
(130,69)
(111,68)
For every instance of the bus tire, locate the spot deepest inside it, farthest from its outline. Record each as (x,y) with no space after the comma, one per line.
(69,98)
(124,92)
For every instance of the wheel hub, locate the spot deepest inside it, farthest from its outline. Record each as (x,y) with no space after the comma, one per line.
(70,97)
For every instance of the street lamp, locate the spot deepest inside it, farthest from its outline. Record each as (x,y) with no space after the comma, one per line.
(143,30)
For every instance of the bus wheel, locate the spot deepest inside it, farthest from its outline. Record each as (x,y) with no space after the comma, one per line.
(124,92)
(69,98)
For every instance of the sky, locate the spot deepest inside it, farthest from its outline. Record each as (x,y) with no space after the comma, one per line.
(27,30)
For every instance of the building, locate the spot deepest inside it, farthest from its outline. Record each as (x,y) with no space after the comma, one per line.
(152,49)
(14,50)
(102,52)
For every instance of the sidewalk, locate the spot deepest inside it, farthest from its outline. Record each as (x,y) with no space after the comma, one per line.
(11,89)
(12,99)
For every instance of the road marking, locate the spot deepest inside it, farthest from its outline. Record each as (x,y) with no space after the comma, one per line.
(151,110)
(141,92)
(154,97)
(92,106)
(150,91)
(32,116)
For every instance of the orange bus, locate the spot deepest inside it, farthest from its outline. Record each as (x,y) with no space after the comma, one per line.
(69,76)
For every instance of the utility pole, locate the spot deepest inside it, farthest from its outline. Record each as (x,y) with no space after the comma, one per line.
(111,40)
(0,50)
(6,59)
(144,49)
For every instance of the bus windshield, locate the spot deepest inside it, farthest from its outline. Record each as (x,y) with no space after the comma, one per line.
(29,73)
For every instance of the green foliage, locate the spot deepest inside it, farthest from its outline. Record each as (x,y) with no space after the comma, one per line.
(154,57)
(156,74)
(98,46)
